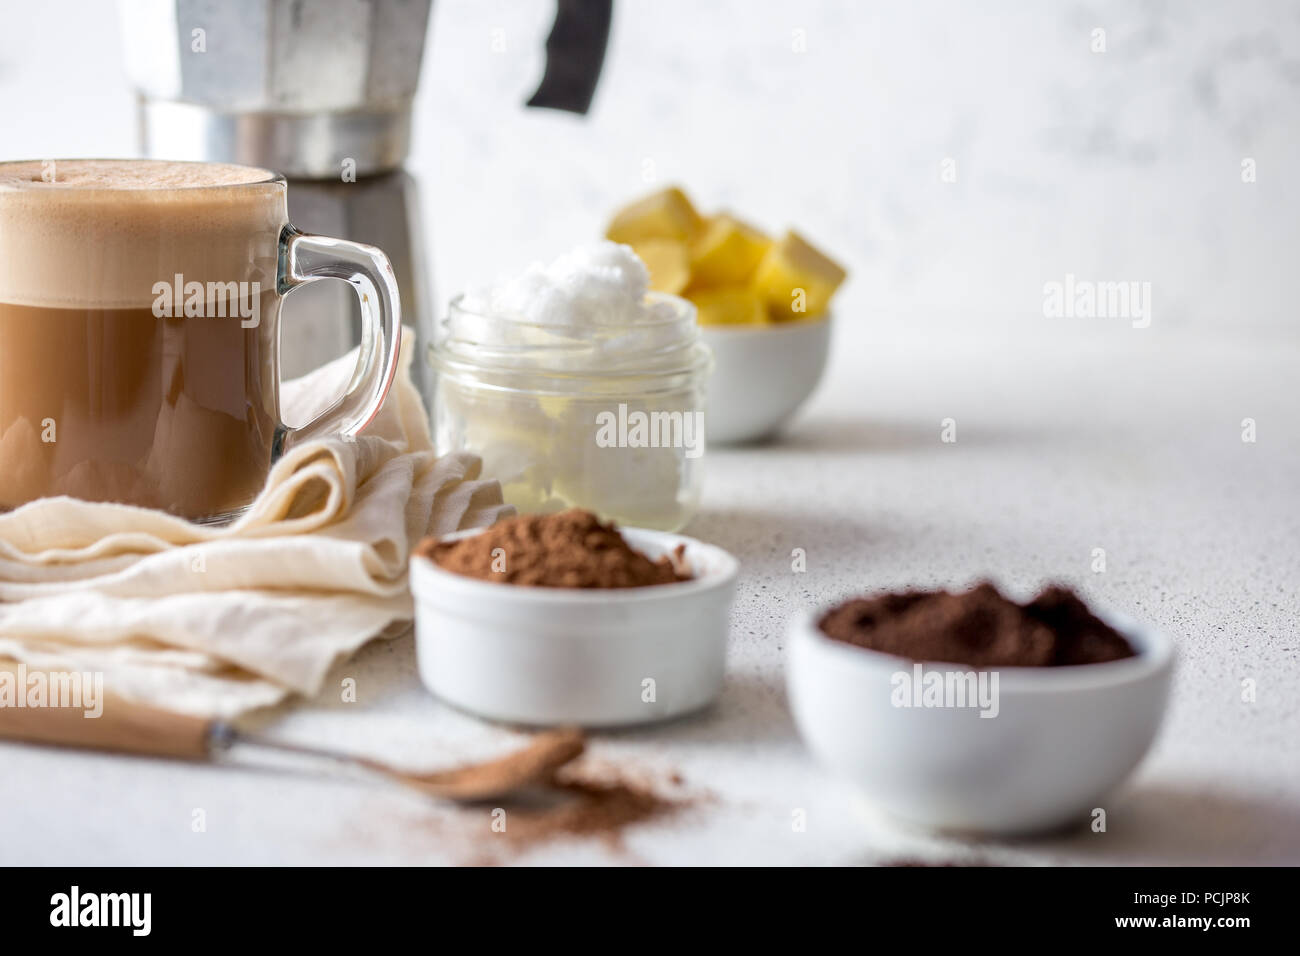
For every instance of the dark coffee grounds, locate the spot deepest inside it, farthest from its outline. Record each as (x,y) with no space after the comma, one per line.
(571,549)
(979,628)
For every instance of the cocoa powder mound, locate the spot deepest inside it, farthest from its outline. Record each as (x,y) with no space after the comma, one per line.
(978,628)
(569,549)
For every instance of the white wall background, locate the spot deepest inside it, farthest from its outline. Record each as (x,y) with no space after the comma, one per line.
(1112,166)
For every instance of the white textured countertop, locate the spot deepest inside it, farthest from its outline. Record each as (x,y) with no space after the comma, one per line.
(1125,442)
(1072,434)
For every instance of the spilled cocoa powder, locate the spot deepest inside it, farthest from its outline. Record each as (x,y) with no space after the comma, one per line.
(587,802)
(978,628)
(584,805)
(587,799)
(569,549)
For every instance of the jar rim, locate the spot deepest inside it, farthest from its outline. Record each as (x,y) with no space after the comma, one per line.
(668,347)
(697,361)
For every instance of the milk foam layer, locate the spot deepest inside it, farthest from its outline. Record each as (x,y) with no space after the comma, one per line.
(125,174)
(103,232)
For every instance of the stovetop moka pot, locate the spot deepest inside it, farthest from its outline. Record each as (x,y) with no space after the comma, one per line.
(300,85)
(322,92)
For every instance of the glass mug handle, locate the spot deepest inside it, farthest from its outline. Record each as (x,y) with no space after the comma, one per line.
(305,258)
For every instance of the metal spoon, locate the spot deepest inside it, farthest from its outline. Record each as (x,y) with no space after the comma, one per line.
(132,727)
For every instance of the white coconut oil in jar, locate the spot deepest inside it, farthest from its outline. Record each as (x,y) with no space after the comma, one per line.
(578,388)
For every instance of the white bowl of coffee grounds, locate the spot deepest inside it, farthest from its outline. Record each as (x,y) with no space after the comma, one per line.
(593,657)
(1056,743)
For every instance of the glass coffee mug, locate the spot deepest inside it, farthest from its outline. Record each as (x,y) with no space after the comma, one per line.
(139,332)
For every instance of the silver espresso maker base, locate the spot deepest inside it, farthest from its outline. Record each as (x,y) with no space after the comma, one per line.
(300,145)
(321,321)
(382,209)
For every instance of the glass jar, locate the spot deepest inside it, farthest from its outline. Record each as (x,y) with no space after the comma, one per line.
(607,417)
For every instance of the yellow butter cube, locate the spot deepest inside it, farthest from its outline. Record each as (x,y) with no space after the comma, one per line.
(795,280)
(669,262)
(736,305)
(727,252)
(667,214)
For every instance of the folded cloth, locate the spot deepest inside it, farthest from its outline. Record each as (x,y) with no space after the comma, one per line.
(218,620)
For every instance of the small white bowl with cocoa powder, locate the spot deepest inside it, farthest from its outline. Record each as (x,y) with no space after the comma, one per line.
(970,712)
(550,620)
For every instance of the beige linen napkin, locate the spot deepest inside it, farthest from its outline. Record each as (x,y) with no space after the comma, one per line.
(215,621)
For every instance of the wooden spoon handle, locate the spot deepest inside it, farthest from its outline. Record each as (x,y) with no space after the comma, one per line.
(123,725)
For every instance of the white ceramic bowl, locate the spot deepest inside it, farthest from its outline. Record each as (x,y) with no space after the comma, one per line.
(1062,739)
(761,375)
(561,656)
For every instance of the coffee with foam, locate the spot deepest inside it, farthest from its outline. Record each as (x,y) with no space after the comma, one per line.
(102,232)
(108,391)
